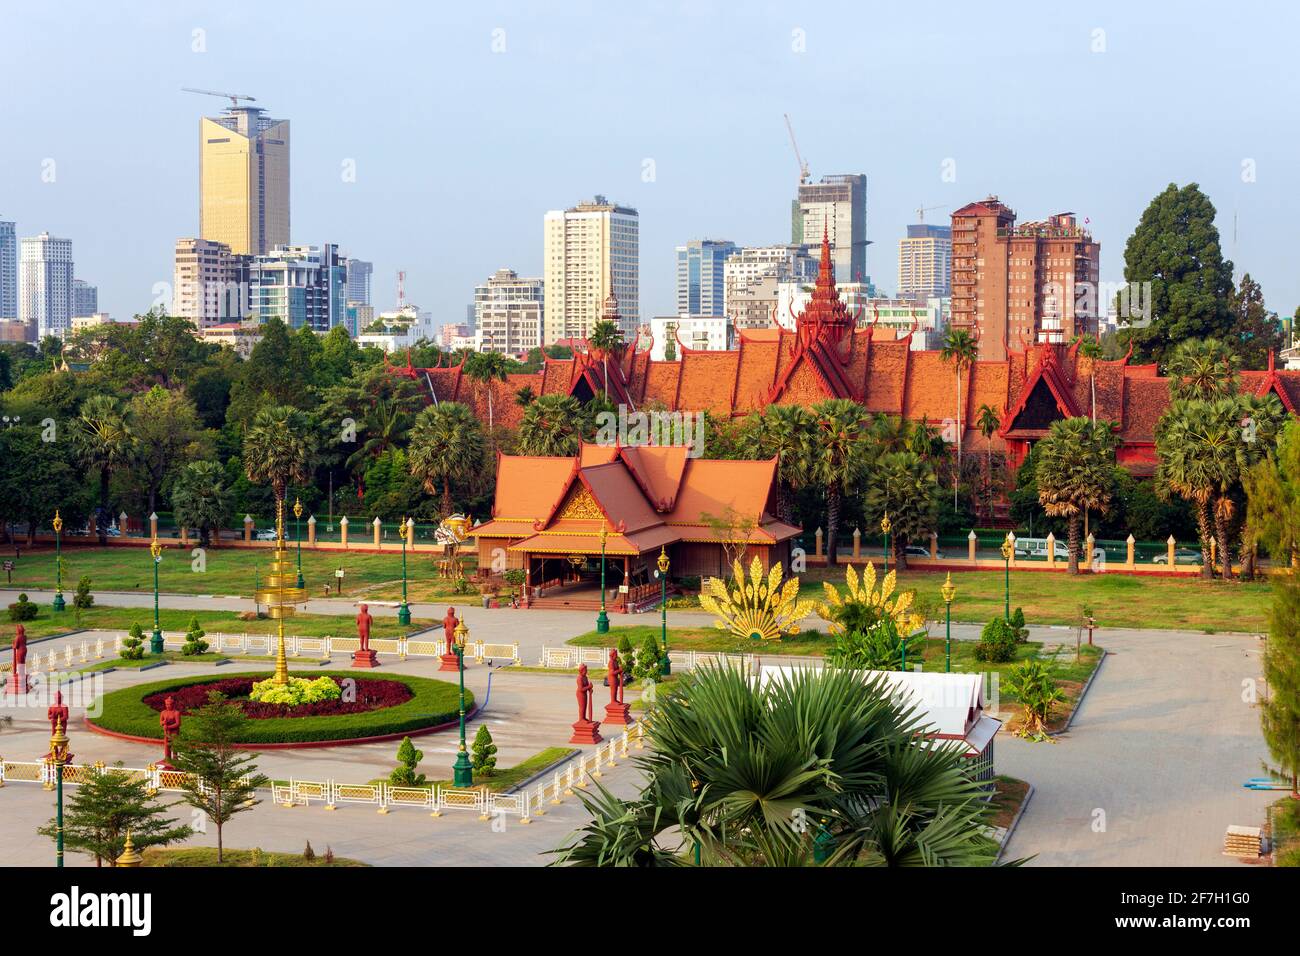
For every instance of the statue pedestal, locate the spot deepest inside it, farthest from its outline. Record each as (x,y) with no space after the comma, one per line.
(16,682)
(586,732)
(365,659)
(450,662)
(616,713)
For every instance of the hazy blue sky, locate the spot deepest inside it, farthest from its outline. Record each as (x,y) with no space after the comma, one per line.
(459,150)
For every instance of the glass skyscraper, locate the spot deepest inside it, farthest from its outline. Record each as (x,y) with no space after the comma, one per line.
(701,286)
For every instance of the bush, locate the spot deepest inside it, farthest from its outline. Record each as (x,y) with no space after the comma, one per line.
(626,657)
(878,648)
(997,643)
(409,759)
(484,752)
(194,642)
(133,643)
(23,609)
(83,599)
(298,691)
(308,853)
(649,664)
(1018,625)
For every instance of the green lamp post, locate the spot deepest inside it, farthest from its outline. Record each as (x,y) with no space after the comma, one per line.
(1008,549)
(59,604)
(949,591)
(404,609)
(156,641)
(297,533)
(55,761)
(602,619)
(661,572)
(462,769)
(886,527)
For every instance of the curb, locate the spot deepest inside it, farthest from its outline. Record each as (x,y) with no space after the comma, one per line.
(1015,822)
(1083,694)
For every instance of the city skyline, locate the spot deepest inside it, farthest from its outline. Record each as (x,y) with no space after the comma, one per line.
(689,175)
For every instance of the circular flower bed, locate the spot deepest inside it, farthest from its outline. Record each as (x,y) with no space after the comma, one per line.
(380,707)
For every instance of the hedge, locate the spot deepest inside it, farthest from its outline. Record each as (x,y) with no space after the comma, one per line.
(435,702)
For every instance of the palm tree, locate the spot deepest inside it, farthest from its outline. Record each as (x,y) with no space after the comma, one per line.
(200,499)
(839,458)
(1202,368)
(487,368)
(102,439)
(960,348)
(446,446)
(525,396)
(278,449)
(819,768)
(785,432)
(903,486)
(553,425)
(988,421)
(605,337)
(1076,463)
(384,426)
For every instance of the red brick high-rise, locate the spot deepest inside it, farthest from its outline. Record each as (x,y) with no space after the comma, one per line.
(1013,286)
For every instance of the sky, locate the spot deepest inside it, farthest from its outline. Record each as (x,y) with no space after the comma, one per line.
(466,123)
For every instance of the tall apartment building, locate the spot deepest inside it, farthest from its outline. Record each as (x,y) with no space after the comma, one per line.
(508,313)
(209,283)
(1021,284)
(701,286)
(244,180)
(85,298)
(8,270)
(751,277)
(358,284)
(837,204)
(925,262)
(587,251)
(300,285)
(45,285)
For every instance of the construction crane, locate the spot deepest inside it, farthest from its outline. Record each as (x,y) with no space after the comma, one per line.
(233,97)
(920,213)
(803,167)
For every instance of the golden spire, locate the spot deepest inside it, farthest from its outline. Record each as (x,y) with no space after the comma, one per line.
(130,855)
(281,592)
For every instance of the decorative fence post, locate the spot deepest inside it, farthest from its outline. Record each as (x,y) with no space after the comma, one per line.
(1051,550)
(248,527)
(1129,560)
(1170,544)
(1011,537)
(410,534)
(185,536)
(378,525)
(817,543)
(934,546)
(153,526)
(311,532)
(857,542)
(971,543)
(343,531)
(1091,545)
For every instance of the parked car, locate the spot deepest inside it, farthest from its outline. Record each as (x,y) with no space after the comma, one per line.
(920,551)
(266,534)
(1181,556)
(1037,548)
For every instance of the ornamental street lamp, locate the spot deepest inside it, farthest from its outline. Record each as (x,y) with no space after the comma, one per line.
(602,619)
(55,761)
(661,572)
(885,526)
(297,533)
(156,641)
(1007,550)
(404,610)
(462,770)
(949,591)
(59,604)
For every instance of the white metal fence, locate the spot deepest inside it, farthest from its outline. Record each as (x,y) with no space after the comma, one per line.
(568,658)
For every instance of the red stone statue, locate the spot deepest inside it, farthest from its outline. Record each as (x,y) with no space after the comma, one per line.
(170,721)
(586,730)
(17,683)
(364,657)
(57,713)
(450,662)
(616,711)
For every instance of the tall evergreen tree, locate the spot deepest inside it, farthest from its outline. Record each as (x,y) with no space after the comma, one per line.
(104,807)
(1255,330)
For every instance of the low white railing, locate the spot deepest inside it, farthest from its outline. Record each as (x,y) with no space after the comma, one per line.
(44,773)
(294,646)
(568,658)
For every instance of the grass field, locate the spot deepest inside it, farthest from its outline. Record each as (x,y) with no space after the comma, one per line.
(207,856)
(227,622)
(231,571)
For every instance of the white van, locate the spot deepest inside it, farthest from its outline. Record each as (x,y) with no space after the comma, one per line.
(1037,548)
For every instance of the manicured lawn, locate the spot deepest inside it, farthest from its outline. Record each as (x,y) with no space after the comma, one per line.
(504,777)
(207,856)
(226,622)
(121,662)
(231,571)
(435,702)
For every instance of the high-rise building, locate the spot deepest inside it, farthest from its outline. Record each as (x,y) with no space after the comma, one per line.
(244,180)
(300,285)
(210,284)
(85,298)
(1018,285)
(589,251)
(751,277)
(508,313)
(837,205)
(925,262)
(8,271)
(701,287)
(358,287)
(45,285)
